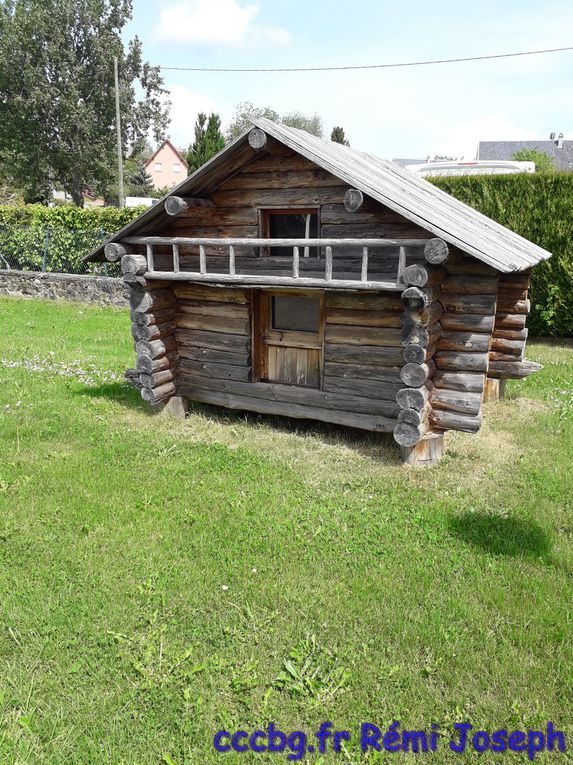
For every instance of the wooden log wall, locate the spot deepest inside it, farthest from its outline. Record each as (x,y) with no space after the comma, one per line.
(362,358)
(152,313)
(469,302)
(278,178)
(506,358)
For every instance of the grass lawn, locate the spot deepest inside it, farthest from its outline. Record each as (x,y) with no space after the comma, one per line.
(160,579)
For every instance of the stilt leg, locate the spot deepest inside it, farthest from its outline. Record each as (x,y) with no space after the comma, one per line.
(426,452)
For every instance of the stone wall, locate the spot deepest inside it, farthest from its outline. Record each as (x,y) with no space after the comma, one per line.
(100,290)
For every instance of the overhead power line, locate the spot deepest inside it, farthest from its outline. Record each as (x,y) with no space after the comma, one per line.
(366,66)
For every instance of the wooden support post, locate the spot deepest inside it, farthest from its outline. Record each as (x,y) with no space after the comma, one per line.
(176,258)
(176,406)
(425,453)
(491,390)
(231,260)
(202,259)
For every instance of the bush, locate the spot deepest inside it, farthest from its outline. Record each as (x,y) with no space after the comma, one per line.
(540,208)
(34,237)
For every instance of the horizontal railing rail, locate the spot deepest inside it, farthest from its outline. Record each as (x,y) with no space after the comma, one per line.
(295,245)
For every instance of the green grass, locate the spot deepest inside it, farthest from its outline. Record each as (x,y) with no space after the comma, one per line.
(380,593)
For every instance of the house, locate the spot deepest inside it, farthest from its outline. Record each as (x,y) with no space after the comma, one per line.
(166,166)
(559,150)
(300,277)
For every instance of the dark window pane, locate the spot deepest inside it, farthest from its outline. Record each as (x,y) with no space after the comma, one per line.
(299,314)
(292,226)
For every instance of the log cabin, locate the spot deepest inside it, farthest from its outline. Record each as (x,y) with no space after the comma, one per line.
(295,276)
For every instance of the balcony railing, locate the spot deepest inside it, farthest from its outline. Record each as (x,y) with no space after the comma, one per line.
(360,250)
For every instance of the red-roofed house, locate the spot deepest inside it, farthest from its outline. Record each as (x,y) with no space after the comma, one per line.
(166,167)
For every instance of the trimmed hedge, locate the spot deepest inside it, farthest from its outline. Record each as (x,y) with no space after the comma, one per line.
(55,239)
(72,218)
(540,208)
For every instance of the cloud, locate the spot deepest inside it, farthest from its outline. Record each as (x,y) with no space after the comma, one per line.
(216,22)
(185,106)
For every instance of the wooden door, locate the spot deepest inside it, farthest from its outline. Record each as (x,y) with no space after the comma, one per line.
(290,338)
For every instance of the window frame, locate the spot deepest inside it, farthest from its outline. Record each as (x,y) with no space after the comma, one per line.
(265,213)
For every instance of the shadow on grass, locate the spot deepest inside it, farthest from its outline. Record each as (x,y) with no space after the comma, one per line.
(502,536)
(377,446)
(120,392)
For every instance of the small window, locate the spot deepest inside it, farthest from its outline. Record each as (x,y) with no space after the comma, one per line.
(158,167)
(290,224)
(295,314)
(176,167)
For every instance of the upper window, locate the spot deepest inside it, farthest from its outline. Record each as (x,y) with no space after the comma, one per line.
(176,167)
(290,224)
(158,167)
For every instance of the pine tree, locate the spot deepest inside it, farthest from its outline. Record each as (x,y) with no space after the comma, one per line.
(140,182)
(338,136)
(208,140)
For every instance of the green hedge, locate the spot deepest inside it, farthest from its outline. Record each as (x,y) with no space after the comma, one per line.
(540,208)
(72,218)
(56,239)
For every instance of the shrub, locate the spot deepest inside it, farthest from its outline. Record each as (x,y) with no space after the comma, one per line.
(34,237)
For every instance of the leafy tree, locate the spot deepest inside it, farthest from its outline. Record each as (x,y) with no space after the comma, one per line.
(246,112)
(338,136)
(312,125)
(208,140)
(57,111)
(543,162)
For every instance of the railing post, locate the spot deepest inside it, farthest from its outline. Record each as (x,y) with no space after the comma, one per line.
(150,263)
(401,264)
(364,268)
(202,259)
(295,262)
(328,264)
(231,260)
(176,259)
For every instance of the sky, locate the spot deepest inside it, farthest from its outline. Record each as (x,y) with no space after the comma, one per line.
(412,112)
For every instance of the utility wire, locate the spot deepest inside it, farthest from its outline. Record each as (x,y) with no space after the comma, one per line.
(366,66)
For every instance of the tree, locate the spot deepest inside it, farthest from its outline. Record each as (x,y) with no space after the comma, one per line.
(140,183)
(312,125)
(208,140)
(246,112)
(543,162)
(57,110)
(338,136)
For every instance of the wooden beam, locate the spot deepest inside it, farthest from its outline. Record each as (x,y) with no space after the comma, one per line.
(353,200)
(436,251)
(176,205)
(257,139)
(114,251)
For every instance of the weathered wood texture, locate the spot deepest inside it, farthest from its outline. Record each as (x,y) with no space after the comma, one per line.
(276,179)
(469,301)
(509,334)
(360,373)
(425,453)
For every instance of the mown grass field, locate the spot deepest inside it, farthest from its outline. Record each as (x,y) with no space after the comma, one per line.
(356,590)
